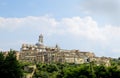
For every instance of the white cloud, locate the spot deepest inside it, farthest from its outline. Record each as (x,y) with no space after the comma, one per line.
(85,27)
(77,27)
(81,27)
(42,23)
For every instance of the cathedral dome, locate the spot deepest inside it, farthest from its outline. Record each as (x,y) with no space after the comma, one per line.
(39,45)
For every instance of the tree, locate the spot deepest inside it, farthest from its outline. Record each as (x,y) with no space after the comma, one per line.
(1,64)
(87,70)
(118,58)
(51,68)
(113,72)
(101,71)
(11,68)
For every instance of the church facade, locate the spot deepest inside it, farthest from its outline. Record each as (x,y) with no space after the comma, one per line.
(40,53)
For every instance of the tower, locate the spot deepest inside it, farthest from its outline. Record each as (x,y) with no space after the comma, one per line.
(40,39)
(40,44)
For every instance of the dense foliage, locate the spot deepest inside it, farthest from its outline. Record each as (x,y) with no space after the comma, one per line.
(9,66)
(88,70)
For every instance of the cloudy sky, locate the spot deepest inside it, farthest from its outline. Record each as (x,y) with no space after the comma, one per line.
(87,25)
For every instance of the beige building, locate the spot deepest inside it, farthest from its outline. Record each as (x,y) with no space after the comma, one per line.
(40,53)
(45,54)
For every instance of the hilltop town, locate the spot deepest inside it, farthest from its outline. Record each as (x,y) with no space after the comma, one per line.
(40,53)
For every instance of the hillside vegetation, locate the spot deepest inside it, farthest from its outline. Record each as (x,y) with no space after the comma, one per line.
(10,67)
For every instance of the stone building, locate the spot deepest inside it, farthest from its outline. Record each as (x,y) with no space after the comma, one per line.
(39,53)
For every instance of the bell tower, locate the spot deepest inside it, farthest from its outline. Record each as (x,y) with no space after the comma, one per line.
(40,39)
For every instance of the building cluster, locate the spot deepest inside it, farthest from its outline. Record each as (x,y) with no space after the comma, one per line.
(39,53)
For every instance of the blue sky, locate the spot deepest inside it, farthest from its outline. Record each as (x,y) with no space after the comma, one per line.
(87,25)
